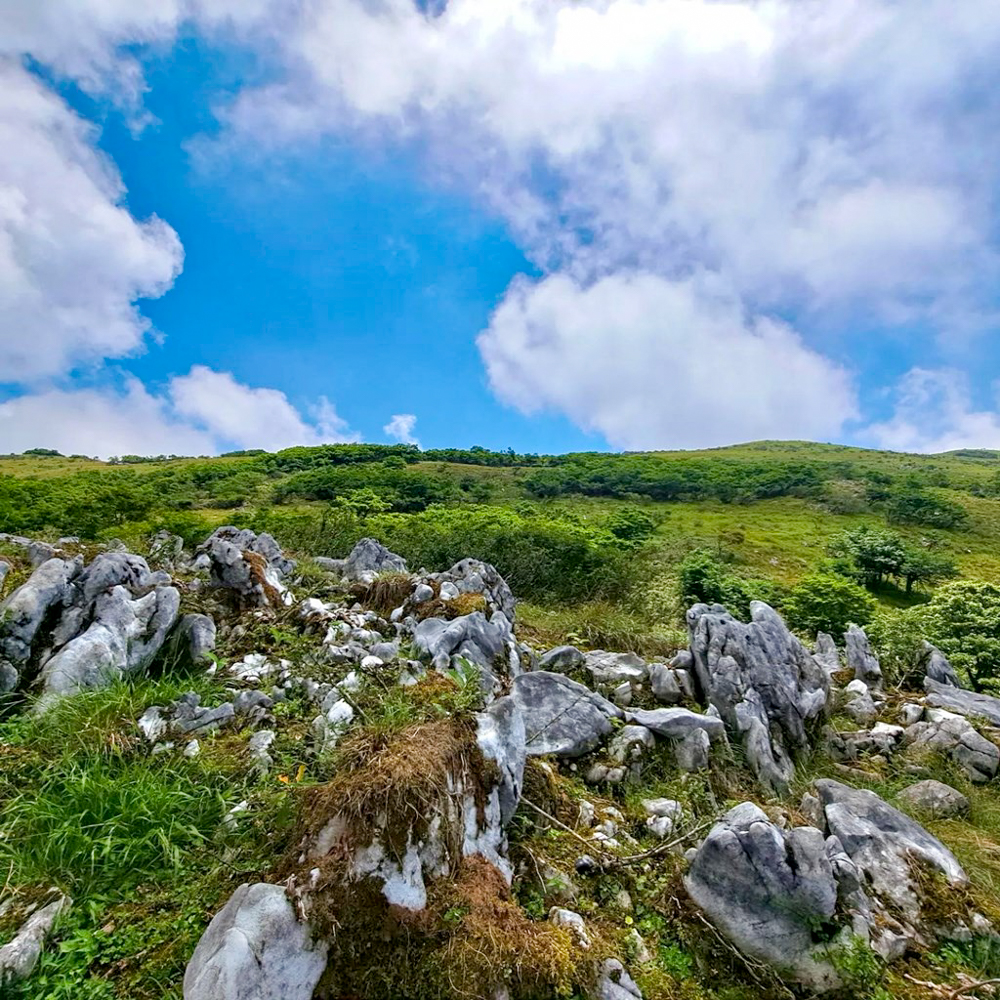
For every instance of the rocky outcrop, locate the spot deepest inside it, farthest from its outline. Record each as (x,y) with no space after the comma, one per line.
(764,684)
(612,669)
(561,660)
(252,566)
(488,643)
(255,948)
(791,898)
(192,640)
(862,660)
(368,559)
(957,737)
(968,703)
(473,576)
(826,654)
(561,716)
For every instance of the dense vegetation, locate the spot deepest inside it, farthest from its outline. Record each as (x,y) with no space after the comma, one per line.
(606,547)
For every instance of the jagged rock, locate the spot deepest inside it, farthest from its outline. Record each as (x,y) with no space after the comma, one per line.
(615,983)
(767,890)
(487,643)
(934,799)
(862,659)
(20,955)
(764,684)
(860,706)
(665,685)
(123,638)
(187,716)
(956,736)
(38,552)
(561,660)
(24,613)
(192,640)
(166,550)
(614,668)
(626,752)
(934,664)
(249,564)
(368,559)
(826,654)
(883,843)
(691,752)
(967,703)
(473,576)
(561,717)
(572,922)
(255,948)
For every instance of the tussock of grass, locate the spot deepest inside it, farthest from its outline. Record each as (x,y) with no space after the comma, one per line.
(385,593)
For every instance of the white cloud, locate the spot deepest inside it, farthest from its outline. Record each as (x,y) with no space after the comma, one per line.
(652,363)
(203,412)
(400,428)
(250,417)
(934,412)
(73,261)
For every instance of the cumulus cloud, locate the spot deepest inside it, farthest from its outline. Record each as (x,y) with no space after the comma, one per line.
(934,411)
(203,412)
(400,428)
(646,361)
(73,261)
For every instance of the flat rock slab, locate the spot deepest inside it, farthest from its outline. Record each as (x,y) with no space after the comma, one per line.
(934,799)
(561,716)
(967,703)
(676,723)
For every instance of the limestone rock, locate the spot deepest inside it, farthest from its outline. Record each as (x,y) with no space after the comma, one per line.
(859,705)
(255,948)
(561,659)
(764,684)
(192,640)
(615,983)
(967,703)
(934,665)
(368,559)
(473,576)
(614,668)
(251,565)
(862,659)
(956,736)
(488,643)
(665,685)
(561,716)
(826,654)
(676,723)
(767,890)
(934,799)
(20,955)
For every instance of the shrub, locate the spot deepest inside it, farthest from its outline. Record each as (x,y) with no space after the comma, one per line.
(703,578)
(963,620)
(826,603)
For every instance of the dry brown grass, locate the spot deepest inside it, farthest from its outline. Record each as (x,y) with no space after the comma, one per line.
(385,593)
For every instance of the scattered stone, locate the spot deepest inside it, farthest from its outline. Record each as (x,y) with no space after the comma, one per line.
(934,799)
(934,664)
(561,716)
(860,706)
(764,684)
(192,641)
(572,922)
(615,983)
(473,576)
(911,713)
(255,947)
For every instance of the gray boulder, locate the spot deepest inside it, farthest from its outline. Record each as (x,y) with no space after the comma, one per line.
(764,684)
(561,717)
(255,948)
(167,551)
(883,843)
(676,723)
(615,668)
(192,640)
(20,955)
(123,638)
(615,983)
(859,705)
(561,659)
(861,658)
(957,737)
(251,565)
(664,684)
(25,613)
(935,666)
(768,890)
(934,799)
(967,703)
(368,559)
(488,643)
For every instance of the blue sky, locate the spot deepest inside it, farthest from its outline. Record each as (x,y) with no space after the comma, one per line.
(549,226)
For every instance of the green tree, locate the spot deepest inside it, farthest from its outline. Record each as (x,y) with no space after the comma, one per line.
(921,566)
(823,602)
(874,554)
(963,620)
(631,525)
